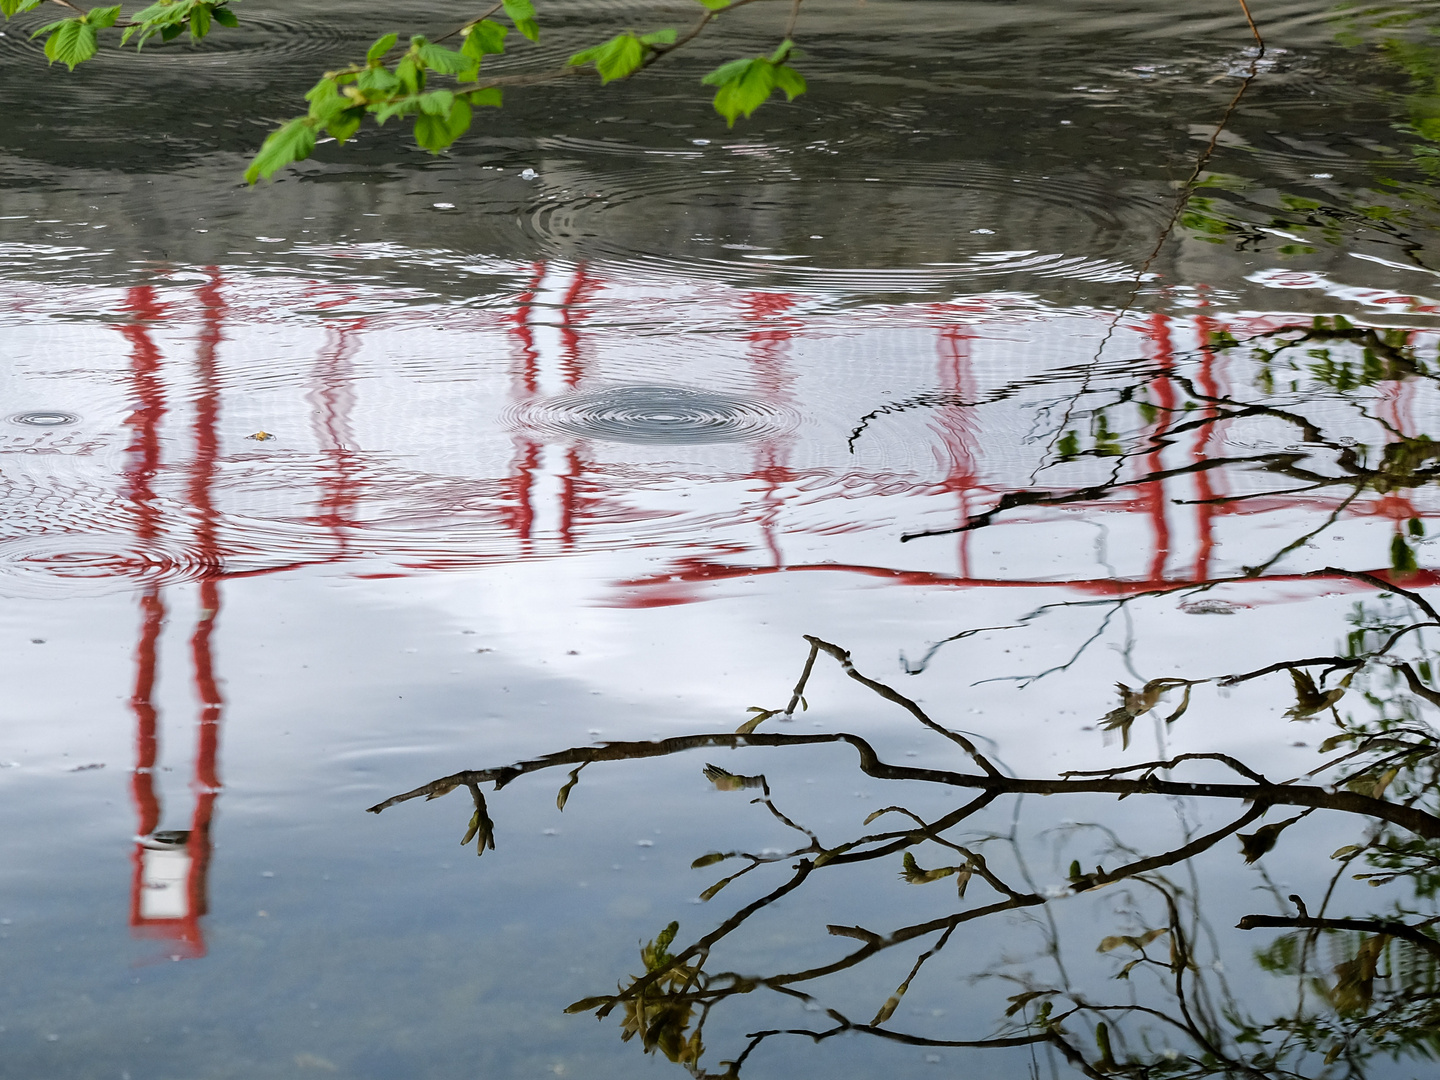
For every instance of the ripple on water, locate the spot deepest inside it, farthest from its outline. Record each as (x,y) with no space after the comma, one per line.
(750,203)
(664,415)
(44,418)
(94,564)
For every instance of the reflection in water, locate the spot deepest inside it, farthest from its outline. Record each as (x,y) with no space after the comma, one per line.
(1223,450)
(1361,974)
(633,404)
(1365,984)
(779,467)
(169,891)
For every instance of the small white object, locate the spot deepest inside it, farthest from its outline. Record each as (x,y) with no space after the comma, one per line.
(701,142)
(644,843)
(983,232)
(528,174)
(1321,176)
(443,205)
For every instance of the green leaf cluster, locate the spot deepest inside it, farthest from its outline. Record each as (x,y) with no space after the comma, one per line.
(170,18)
(74,40)
(339,102)
(622,55)
(341,99)
(742,86)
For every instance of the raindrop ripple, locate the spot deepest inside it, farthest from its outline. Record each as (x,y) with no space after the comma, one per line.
(665,415)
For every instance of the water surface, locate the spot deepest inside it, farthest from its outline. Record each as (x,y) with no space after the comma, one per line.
(562,442)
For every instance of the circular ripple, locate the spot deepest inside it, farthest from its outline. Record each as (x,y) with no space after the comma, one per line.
(93,565)
(664,415)
(45,418)
(743,204)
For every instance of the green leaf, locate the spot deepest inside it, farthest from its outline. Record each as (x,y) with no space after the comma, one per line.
(165,18)
(744,85)
(72,41)
(484,38)
(343,125)
(436,102)
(716,5)
(622,55)
(199,21)
(102,17)
(789,80)
(293,142)
(522,14)
(659,37)
(12,7)
(410,74)
(744,91)
(377,82)
(380,48)
(435,131)
(725,72)
(326,100)
(401,106)
(489,96)
(445,61)
(225,17)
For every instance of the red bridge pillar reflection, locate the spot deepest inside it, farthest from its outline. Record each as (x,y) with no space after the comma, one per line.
(769,346)
(958,428)
(546,490)
(169,894)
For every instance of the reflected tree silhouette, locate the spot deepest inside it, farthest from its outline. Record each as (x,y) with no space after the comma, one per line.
(1367,983)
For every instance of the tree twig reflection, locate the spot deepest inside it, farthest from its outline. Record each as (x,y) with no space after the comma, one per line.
(1187,1022)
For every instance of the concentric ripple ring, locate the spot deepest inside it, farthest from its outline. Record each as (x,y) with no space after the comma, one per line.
(663,415)
(44,418)
(96,564)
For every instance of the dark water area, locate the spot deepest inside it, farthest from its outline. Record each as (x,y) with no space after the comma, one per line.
(741,534)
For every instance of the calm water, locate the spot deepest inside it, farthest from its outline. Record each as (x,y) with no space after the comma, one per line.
(561,444)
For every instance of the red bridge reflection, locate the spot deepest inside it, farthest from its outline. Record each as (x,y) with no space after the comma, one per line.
(373,512)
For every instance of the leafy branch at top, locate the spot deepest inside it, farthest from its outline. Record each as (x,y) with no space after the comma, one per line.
(74,40)
(339,102)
